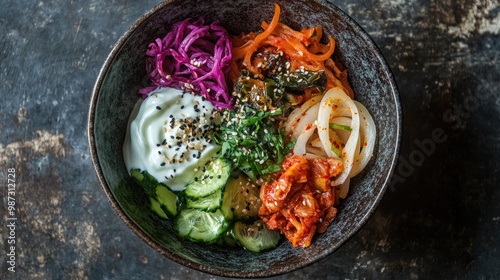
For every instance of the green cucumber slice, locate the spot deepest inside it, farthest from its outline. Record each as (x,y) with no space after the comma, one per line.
(210,179)
(208,203)
(240,200)
(156,207)
(255,237)
(137,175)
(163,200)
(167,199)
(200,226)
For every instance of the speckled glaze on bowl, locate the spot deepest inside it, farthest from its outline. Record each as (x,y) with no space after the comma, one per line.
(124,73)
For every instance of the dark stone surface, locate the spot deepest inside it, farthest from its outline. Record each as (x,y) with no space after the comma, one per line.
(439,219)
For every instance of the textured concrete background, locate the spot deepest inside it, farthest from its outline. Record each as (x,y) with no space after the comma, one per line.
(440,218)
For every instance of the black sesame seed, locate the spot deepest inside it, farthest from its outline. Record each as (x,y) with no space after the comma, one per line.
(164,142)
(182,107)
(158,107)
(162,164)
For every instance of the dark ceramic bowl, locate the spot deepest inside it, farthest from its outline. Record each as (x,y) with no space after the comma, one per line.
(124,73)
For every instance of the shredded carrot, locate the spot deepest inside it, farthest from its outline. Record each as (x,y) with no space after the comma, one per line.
(248,49)
(302,48)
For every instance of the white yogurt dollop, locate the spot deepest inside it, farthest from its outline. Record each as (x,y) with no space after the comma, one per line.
(169,135)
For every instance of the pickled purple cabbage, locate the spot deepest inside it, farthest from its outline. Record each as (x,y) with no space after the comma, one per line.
(192,57)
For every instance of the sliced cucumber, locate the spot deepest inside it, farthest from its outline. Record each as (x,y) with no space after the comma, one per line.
(208,203)
(255,237)
(163,200)
(145,180)
(200,226)
(168,200)
(156,207)
(227,239)
(137,175)
(210,179)
(240,200)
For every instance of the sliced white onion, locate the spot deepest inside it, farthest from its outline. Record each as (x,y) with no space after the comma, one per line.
(369,132)
(298,113)
(343,134)
(325,110)
(310,156)
(316,142)
(309,118)
(333,103)
(315,151)
(337,98)
(300,145)
(309,124)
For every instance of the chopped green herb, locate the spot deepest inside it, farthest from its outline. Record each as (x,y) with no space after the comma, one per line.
(340,126)
(251,140)
(336,150)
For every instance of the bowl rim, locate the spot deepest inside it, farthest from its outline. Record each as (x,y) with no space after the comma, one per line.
(136,229)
